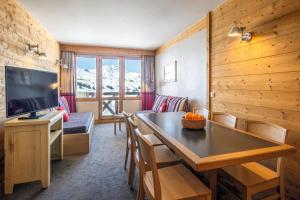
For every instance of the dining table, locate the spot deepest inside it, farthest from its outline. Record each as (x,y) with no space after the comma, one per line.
(213,147)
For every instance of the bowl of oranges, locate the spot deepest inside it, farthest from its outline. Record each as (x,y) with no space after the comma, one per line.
(193,121)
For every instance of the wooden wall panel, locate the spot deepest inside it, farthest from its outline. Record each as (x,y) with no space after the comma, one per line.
(17,30)
(261,79)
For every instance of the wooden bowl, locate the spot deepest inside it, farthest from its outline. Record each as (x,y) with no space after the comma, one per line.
(193,124)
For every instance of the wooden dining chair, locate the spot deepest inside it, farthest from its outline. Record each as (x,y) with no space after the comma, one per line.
(128,139)
(257,177)
(225,119)
(173,182)
(165,156)
(202,111)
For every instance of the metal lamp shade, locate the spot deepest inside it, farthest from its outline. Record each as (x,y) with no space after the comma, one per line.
(235,31)
(43,56)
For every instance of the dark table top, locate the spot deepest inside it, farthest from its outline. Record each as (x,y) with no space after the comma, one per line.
(214,139)
(213,147)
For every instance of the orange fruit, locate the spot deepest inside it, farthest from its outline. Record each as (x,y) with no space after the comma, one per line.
(189,115)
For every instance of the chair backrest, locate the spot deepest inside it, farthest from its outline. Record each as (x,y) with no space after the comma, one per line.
(126,116)
(269,131)
(202,111)
(225,119)
(147,156)
(133,138)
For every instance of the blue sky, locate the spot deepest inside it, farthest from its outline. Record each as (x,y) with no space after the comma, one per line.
(90,63)
(131,65)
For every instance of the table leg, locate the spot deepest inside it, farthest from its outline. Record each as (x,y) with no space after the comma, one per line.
(120,123)
(213,180)
(115,124)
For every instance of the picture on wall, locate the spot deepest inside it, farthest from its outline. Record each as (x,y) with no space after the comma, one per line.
(170,72)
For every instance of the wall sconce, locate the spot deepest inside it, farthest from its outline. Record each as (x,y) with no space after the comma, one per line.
(239,31)
(43,56)
(62,64)
(35,49)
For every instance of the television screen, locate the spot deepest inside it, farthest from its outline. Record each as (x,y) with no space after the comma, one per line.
(29,91)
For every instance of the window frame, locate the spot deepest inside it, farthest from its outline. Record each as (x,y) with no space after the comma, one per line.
(122,97)
(101,80)
(86,98)
(139,97)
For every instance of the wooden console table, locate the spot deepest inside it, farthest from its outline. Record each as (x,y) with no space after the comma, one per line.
(29,146)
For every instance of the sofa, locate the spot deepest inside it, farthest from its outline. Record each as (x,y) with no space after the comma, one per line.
(164,103)
(78,130)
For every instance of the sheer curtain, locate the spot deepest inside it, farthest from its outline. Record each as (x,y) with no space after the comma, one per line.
(148,82)
(67,79)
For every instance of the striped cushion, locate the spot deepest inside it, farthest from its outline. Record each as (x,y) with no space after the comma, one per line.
(176,104)
(64,103)
(159,100)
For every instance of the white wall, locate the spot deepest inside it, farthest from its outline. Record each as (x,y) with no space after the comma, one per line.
(191,59)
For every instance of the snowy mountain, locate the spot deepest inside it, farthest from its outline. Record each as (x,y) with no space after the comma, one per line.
(86,82)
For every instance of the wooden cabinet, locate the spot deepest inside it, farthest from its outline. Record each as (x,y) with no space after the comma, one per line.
(29,146)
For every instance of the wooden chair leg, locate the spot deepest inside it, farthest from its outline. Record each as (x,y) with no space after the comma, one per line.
(248,195)
(140,186)
(281,184)
(130,169)
(208,197)
(126,156)
(131,173)
(142,192)
(213,179)
(282,192)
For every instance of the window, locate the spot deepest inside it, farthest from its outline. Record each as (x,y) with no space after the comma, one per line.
(85,77)
(110,81)
(133,68)
(110,77)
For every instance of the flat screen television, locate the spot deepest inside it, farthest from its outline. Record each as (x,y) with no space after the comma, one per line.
(29,91)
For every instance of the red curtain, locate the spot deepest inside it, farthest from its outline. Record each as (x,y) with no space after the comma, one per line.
(147,100)
(148,82)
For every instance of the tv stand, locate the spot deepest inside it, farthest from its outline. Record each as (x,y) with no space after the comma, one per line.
(29,146)
(32,115)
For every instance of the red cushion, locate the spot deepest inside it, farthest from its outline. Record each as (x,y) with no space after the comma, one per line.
(66,116)
(163,107)
(159,100)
